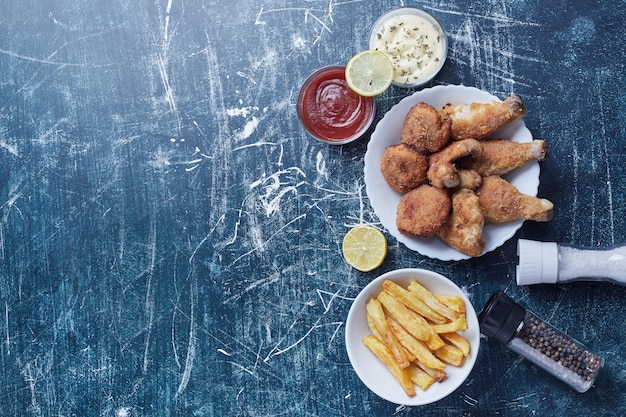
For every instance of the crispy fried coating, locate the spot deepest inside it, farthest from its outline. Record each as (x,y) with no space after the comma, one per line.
(470,179)
(403,167)
(422,211)
(464,229)
(424,130)
(500,156)
(478,120)
(442,172)
(502,202)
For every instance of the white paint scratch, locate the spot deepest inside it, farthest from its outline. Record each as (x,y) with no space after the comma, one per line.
(260,246)
(242,111)
(6,322)
(276,351)
(275,189)
(123,412)
(249,128)
(167,20)
(191,346)
(150,302)
(203,241)
(256,284)
(12,149)
(223,352)
(605,148)
(333,296)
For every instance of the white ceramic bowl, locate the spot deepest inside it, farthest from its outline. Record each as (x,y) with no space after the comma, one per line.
(435,67)
(373,373)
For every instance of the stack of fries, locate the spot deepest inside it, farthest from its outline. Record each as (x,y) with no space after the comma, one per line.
(415,333)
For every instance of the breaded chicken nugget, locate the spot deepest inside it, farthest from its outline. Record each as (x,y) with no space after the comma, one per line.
(422,211)
(403,167)
(464,228)
(424,130)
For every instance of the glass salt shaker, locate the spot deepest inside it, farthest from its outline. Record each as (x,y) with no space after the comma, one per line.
(550,263)
(537,341)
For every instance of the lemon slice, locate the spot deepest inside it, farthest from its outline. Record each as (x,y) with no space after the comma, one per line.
(369,73)
(364,248)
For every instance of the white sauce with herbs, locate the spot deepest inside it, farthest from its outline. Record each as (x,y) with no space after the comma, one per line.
(413,44)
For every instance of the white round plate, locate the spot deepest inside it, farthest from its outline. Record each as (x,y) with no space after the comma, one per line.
(384,200)
(373,373)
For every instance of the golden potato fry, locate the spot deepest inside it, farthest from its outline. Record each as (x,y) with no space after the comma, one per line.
(450,354)
(458,341)
(455,302)
(415,346)
(453,326)
(412,322)
(383,353)
(420,377)
(372,326)
(375,332)
(437,374)
(430,300)
(434,342)
(412,301)
(378,319)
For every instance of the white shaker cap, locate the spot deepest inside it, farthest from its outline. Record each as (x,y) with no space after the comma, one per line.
(538,262)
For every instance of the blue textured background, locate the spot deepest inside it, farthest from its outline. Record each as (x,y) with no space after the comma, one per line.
(170,237)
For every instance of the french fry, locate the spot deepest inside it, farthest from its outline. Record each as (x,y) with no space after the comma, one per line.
(378,319)
(372,326)
(455,302)
(415,346)
(450,354)
(453,326)
(458,341)
(434,342)
(430,300)
(411,321)
(383,353)
(410,356)
(412,301)
(437,374)
(420,377)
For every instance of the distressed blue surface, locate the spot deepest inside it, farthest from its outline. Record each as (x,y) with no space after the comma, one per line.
(170,237)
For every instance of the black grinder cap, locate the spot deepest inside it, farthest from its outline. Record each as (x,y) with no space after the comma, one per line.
(500,317)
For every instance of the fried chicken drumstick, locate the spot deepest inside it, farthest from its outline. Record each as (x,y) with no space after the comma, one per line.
(502,202)
(478,120)
(464,229)
(500,156)
(442,172)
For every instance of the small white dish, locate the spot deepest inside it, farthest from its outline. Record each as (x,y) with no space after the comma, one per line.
(384,200)
(373,373)
(417,32)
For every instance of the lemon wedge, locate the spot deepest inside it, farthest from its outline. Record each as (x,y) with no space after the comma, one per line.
(364,248)
(369,73)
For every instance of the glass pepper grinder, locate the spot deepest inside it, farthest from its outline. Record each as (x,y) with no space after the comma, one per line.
(550,263)
(537,341)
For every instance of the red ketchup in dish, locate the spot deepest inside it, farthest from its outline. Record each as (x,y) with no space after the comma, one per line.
(330,111)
